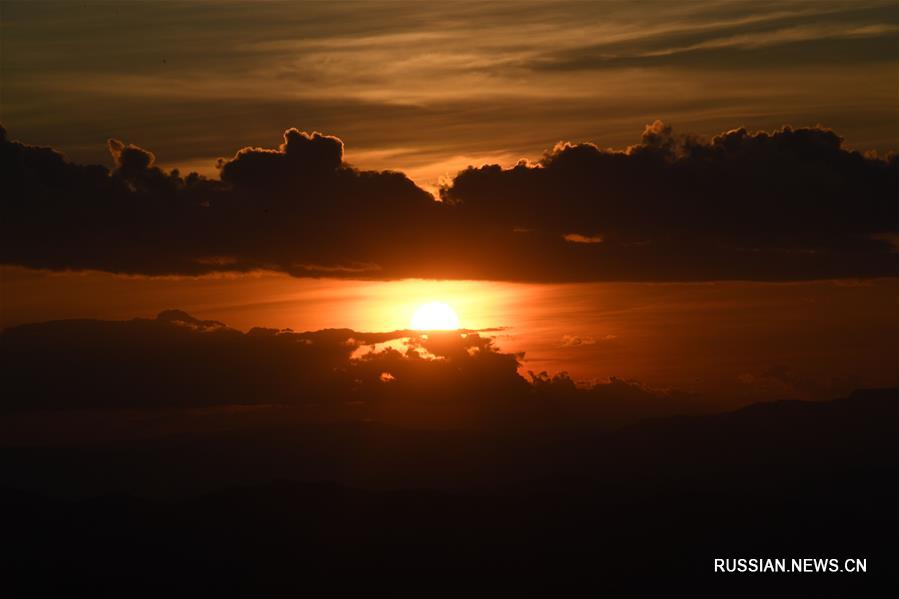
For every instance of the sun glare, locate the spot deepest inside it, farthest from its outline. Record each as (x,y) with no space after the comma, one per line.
(435,316)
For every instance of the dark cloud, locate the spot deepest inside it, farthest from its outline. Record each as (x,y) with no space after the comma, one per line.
(300,156)
(785,205)
(792,204)
(176,361)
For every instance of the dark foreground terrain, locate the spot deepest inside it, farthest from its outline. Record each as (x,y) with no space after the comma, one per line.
(219,502)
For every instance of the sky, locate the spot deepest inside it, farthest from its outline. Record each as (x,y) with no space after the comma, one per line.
(429,88)
(506,293)
(693,195)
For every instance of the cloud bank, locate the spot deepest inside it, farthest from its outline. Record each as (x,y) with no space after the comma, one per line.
(792,204)
(453,378)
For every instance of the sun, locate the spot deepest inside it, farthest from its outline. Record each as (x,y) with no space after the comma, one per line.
(435,316)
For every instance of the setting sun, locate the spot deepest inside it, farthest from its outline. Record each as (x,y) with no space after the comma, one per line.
(435,316)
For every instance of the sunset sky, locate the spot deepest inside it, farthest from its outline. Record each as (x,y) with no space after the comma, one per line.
(579,254)
(429,88)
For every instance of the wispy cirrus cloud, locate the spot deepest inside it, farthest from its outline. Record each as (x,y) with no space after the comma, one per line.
(425,76)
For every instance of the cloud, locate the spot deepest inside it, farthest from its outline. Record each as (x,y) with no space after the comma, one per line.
(578,238)
(751,40)
(792,204)
(575,340)
(578,340)
(349,72)
(301,156)
(177,361)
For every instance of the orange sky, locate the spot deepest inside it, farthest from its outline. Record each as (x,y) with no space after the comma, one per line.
(728,338)
(430,88)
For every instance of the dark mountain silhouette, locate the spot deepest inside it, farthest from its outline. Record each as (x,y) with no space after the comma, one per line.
(148,455)
(428,512)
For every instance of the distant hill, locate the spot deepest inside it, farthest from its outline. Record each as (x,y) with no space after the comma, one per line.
(244,508)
